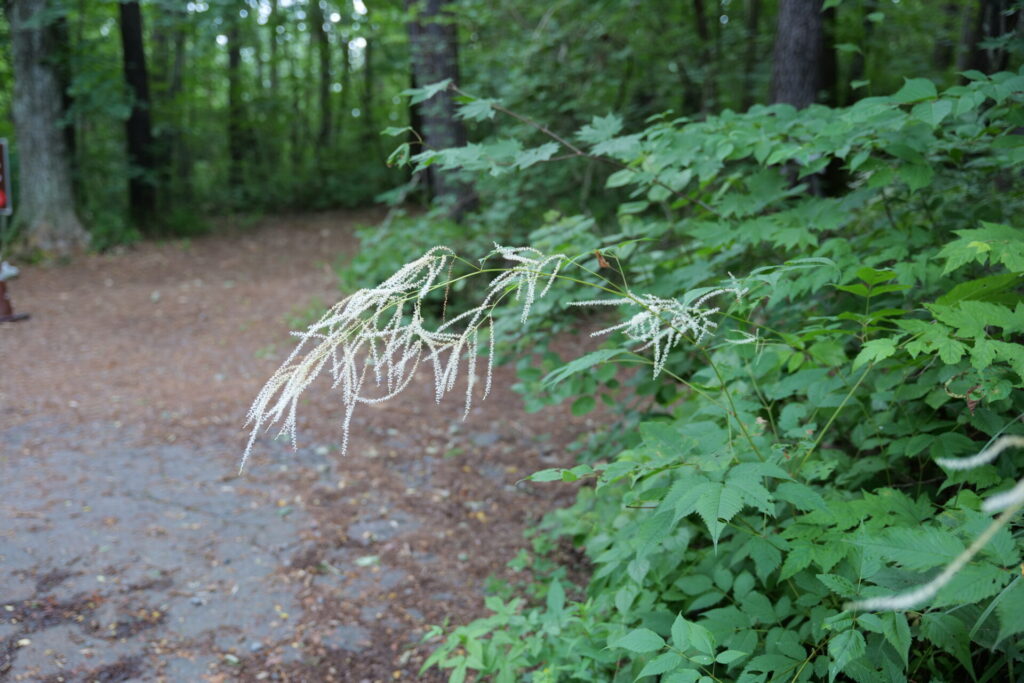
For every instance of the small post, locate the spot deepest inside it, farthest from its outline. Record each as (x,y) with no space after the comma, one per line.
(7,271)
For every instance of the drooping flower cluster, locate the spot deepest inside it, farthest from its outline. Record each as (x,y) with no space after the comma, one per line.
(382,333)
(662,323)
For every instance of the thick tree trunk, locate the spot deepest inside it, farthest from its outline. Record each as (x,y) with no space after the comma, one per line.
(434,47)
(797,57)
(46,207)
(138,130)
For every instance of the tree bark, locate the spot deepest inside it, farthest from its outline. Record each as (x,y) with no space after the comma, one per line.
(46,206)
(991,19)
(236,126)
(318,38)
(138,128)
(797,57)
(434,51)
(750,58)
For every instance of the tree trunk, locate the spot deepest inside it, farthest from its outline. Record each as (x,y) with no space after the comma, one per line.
(991,19)
(46,207)
(318,38)
(750,58)
(434,51)
(236,132)
(138,131)
(797,57)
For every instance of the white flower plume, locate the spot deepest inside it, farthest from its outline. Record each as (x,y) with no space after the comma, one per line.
(663,323)
(381,333)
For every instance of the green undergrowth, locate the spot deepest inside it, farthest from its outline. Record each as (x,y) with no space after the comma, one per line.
(737,502)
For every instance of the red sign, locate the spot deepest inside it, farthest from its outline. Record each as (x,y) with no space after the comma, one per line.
(5,180)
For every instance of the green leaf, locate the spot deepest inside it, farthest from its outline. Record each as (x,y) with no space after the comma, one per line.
(729,656)
(1010,610)
(843,649)
(417,95)
(578,365)
(716,505)
(660,664)
(919,548)
(915,90)
(896,630)
(477,109)
(641,640)
(932,113)
(535,155)
(950,635)
(556,597)
(583,405)
(874,351)
(600,129)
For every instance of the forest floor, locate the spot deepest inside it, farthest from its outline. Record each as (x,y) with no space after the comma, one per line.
(130,548)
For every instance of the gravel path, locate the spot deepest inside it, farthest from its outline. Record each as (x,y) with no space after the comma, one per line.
(129,547)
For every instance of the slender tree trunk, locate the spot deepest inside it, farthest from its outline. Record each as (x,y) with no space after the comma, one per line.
(750,57)
(272,24)
(138,129)
(797,57)
(46,207)
(434,47)
(318,39)
(991,19)
(858,65)
(707,66)
(236,126)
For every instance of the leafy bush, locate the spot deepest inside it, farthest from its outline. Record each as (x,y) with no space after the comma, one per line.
(792,451)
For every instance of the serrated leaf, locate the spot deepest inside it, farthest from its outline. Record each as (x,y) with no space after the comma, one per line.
(1010,610)
(477,110)
(417,95)
(600,129)
(950,635)
(874,351)
(797,559)
(716,505)
(896,630)
(843,649)
(535,155)
(766,556)
(661,664)
(641,640)
(801,496)
(918,549)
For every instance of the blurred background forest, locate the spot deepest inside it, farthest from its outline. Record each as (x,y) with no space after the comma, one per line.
(173,111)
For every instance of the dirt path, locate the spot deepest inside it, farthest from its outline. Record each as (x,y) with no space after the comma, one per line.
(129,548)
